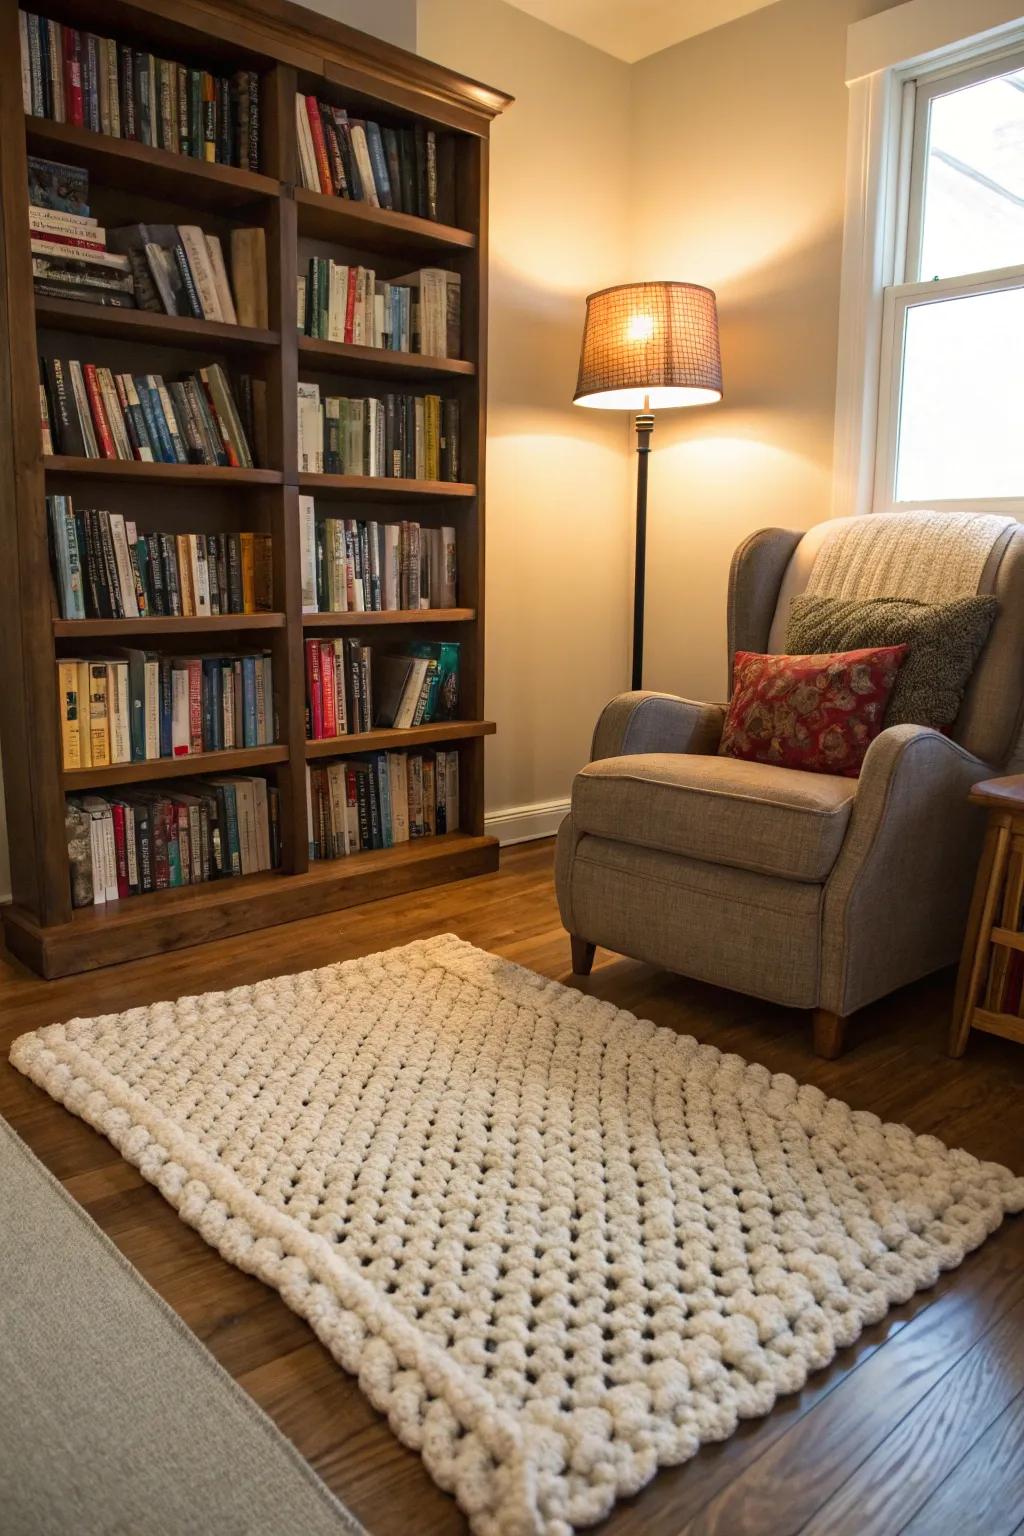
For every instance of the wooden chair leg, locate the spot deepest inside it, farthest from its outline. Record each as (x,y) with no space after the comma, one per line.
(829,1034)
(582,955)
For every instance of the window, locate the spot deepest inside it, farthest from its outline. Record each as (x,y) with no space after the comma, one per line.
(951,385)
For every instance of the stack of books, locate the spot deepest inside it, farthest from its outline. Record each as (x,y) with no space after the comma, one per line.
(184,833)
(70,255)
(137,707)
(411,170)
(94,413)
(379,800)
(412,437)
(368,567)
(104,568)
(420,312)
(97,83)
(349,691)
(179,269)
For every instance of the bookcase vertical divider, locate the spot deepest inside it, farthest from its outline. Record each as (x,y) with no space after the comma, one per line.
(29,729)
(282,256)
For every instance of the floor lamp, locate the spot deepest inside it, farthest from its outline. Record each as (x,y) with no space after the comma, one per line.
(648,347)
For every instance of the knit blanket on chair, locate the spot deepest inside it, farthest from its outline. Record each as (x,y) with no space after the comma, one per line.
(930,556)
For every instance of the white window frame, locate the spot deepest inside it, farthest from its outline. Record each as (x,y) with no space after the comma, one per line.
(896,62)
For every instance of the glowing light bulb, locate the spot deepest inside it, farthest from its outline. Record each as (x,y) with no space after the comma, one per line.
(640,328)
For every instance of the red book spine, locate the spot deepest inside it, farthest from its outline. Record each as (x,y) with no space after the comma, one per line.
(99,415)
(120,850)
(74,110)
(63,241)
(314,696)
(352,283)
(327,686)
(195,705)
(233,459)
(316,128)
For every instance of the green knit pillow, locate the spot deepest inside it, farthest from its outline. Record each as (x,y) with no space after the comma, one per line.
(945,641)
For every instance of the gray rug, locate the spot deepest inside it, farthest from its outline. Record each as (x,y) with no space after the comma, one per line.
(114,1420)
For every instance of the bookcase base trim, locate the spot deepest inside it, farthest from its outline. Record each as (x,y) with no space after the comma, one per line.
(146,925)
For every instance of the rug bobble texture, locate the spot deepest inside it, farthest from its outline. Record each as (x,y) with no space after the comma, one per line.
(558,1246)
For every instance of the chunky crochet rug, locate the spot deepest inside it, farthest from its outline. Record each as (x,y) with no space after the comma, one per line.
(559,1246)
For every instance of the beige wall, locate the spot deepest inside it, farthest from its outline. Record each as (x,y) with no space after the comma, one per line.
(739,143)
(558,515)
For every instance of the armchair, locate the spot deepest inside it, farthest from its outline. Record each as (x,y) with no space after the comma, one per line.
(806,889)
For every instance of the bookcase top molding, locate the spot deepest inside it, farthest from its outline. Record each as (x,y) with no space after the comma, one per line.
(292,34)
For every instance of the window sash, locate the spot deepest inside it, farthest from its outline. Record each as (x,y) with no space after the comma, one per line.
(897,300)
(941,82)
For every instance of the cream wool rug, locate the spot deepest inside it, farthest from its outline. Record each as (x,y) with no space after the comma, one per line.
(559,1246)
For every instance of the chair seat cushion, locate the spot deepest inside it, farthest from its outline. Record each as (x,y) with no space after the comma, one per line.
(756,816)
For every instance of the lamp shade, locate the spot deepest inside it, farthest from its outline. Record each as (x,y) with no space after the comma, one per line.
(650,346)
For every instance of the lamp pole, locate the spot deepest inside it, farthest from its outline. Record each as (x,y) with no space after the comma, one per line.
(644,428)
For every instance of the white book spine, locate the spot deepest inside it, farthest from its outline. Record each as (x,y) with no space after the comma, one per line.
(131,852)
(215,251)
(307,541)
(151,675)
(122,559)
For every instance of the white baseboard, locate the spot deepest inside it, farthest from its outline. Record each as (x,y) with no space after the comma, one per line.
(522,823)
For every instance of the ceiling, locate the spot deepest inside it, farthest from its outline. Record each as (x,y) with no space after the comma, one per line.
(631,29)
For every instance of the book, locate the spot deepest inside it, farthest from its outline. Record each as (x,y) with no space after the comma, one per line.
(118,416)
(103,567)
(352,689)
(123,843)
(379,800)
(249,274)
(410,170)
(411,437)
(51,184)
(105,86)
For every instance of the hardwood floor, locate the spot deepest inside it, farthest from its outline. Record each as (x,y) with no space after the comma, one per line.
(918,1428)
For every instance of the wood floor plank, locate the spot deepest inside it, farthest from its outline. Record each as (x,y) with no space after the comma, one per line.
(890,1487)
(984,1495)
(814,1458)
(896,1066)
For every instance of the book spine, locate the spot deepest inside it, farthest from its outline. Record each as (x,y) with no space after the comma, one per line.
(98,413)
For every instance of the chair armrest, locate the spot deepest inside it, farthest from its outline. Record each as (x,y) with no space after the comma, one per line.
(656,722)
(896,900)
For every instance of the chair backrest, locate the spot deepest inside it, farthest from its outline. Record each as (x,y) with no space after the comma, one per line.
(930,556)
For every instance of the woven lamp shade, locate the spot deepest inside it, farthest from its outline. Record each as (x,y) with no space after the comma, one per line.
(650,346)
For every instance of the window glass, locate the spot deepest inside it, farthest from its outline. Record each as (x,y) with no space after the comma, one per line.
(961,425)
(973,194)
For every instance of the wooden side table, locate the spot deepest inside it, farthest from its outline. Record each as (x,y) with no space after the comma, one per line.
(990,984)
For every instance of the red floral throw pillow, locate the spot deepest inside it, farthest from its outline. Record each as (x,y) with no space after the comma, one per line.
(820,713)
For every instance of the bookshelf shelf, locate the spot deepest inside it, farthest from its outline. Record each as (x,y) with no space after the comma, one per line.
(362,227)
(380,618)
(391,740)
(154,172)
(159,624)
(382,488)
(143,925)
(183,474)
(377,363)
(239,761)
(132,183)
(143,325)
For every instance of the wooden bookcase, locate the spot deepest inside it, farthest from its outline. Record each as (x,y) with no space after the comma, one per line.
(291,48)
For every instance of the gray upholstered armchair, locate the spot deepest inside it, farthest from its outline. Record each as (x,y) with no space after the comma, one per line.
(806,889)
